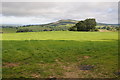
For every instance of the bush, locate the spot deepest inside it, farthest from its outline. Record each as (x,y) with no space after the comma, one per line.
(72,29)
(24,30)
(96,30)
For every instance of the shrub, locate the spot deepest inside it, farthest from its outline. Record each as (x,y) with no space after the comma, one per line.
(24,30)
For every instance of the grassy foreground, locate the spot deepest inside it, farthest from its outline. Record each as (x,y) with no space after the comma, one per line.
(60,54)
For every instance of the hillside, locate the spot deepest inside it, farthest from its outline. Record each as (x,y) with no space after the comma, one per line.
(57,23)
(62,22)
(60,25)
(104,24)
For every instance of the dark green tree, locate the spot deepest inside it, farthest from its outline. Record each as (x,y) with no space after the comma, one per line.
(90,24)
(81,26)
(86,25)
(74,28)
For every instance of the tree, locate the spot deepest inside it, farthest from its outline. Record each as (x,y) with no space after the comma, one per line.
(81,26)
(86,25)
(73,28)
(90,24)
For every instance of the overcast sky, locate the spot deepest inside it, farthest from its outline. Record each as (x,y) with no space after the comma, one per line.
(46,12)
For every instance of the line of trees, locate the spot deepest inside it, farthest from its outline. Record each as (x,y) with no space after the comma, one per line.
(86,25)
(24,30)
(111,28)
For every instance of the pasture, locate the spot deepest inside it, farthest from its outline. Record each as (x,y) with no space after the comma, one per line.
(60,54)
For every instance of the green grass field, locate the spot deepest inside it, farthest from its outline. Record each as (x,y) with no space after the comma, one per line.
(60,54)
(62,35)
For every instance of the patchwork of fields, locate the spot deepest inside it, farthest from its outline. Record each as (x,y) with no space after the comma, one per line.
(60,54)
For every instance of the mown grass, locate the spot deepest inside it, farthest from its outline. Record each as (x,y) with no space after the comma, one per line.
(62,35)
(60,57)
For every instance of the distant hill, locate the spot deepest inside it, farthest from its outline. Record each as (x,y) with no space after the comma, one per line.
(57,23)
(60,25)
(104,24)
(61,22)
(69,21)
(10,25)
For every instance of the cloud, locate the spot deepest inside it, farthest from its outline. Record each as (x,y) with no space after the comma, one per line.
(45,12)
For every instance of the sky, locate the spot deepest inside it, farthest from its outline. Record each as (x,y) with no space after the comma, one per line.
(47,12)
